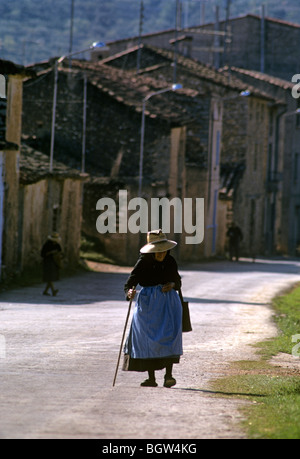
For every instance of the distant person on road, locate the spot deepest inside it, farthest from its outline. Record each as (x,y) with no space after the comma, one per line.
(155,338)
(235,236)
(52,256)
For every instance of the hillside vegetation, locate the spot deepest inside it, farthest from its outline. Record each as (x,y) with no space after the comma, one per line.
(31,30)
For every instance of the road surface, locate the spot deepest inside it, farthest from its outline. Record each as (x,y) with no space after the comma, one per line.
(58,355)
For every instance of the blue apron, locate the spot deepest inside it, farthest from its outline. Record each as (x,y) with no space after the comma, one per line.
(156,328)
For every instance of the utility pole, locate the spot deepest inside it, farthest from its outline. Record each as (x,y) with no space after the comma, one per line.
(71,26)
(217,39)
(262,40)
(227,38)
(177,27)
(138,64)
(186,14)
(202,12)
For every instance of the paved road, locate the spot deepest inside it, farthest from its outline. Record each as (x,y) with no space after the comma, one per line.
(58,363)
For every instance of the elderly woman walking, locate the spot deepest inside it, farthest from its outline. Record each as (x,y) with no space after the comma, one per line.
(155,337)
(51,253)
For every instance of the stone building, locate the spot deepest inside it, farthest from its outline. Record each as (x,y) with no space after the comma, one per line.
(234,141)
(114,109)
(250,42)
(282,179)
(196,141)
(48,202)
(10,137)
(33,202)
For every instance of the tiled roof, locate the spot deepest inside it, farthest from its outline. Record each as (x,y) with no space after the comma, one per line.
(274,20)
(9,68)
(130,90)
(212,25)
(161,57)
(34,166)
(284,84)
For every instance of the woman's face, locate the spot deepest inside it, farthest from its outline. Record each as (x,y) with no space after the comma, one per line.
(160,256)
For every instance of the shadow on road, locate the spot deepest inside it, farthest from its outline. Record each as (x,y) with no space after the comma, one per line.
(267,265)
(217,392)
(83,289)
(95,287)
(209,301)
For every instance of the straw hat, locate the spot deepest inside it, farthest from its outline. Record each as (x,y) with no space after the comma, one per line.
(55,237)
(157,242)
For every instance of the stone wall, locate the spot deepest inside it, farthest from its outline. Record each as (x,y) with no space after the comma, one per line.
(11,175)
(46,206)
(250,196)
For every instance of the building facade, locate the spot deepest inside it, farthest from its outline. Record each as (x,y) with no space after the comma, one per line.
(10,138)
(250,42)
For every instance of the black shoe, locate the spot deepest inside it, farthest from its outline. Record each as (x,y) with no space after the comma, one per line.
(169,381)
(149,383)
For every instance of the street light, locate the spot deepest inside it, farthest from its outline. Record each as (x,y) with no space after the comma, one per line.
(245,93)
(57,62)
(174,87)
(294,112)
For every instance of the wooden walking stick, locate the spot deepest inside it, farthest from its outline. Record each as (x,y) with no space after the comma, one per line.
(124,331)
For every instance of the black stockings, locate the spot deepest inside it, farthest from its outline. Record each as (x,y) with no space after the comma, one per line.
(169,369)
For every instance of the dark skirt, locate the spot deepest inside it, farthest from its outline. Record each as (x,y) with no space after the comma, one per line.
(130,364)
(50,270)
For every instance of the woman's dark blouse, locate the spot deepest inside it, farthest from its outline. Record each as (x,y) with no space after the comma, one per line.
(148,272)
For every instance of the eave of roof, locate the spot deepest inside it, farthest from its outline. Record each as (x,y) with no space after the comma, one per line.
(10,68)
(203,71)
(34,167)
(284,84)
(212,24)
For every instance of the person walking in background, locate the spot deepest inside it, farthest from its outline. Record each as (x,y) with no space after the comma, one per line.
(52,255)
(235,236)
(155,337)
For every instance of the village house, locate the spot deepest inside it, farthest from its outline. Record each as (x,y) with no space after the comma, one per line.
(234,166)
(10,137)
(205,157)
(33,202)
(114,102)
(250,42)
(282,181)
(48,202)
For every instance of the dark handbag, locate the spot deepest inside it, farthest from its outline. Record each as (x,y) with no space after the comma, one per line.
(186,320)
